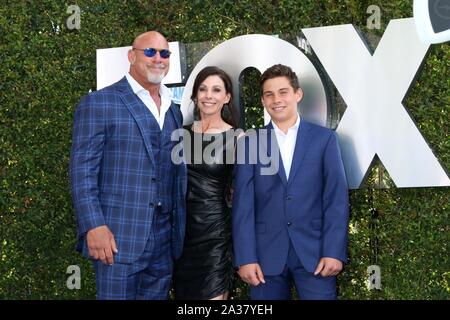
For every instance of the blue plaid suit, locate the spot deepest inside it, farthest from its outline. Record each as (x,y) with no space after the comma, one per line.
(114,173)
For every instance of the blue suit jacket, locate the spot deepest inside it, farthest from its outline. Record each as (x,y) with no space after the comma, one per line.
(310,209)
(111,170)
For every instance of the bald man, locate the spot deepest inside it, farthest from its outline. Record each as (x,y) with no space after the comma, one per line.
(127,193)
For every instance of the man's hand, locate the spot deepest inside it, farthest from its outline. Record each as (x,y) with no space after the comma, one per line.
(101,244)
(328,267)
(251,273)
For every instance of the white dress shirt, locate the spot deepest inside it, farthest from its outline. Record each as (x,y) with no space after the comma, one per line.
(144,95)
(286,142)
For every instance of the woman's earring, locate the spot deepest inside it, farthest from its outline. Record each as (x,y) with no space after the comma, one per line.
(225,111)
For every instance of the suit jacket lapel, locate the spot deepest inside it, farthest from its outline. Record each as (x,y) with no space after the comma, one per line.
(178,121)
(139,112)
(273,139)
(301,147)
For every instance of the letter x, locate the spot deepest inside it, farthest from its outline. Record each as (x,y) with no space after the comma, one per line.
(373,87)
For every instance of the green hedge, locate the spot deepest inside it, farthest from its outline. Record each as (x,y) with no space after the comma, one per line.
(46,68)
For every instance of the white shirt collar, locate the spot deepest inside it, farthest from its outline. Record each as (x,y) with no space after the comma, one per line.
(294,127)
(286,143)
(147,100)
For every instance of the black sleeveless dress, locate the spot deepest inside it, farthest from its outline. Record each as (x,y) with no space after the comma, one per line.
(205,269)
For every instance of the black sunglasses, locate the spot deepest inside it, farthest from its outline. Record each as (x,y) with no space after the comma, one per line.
(150,52)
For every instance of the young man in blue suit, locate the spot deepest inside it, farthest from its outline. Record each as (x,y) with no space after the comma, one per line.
(289,225)
(127,193)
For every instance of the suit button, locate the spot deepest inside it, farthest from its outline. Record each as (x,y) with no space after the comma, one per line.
(289,224)
(288,198)
(151,205)
(153,179)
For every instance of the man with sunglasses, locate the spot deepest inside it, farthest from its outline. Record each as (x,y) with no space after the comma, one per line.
(128,194)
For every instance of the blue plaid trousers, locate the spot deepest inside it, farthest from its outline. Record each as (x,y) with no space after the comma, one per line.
(149,277)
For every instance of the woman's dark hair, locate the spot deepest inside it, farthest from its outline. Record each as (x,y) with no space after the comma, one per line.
(228,112)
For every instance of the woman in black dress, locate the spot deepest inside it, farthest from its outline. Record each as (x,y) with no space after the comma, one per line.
(205,269)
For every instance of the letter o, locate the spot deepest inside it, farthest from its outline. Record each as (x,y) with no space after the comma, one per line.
(261,52)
